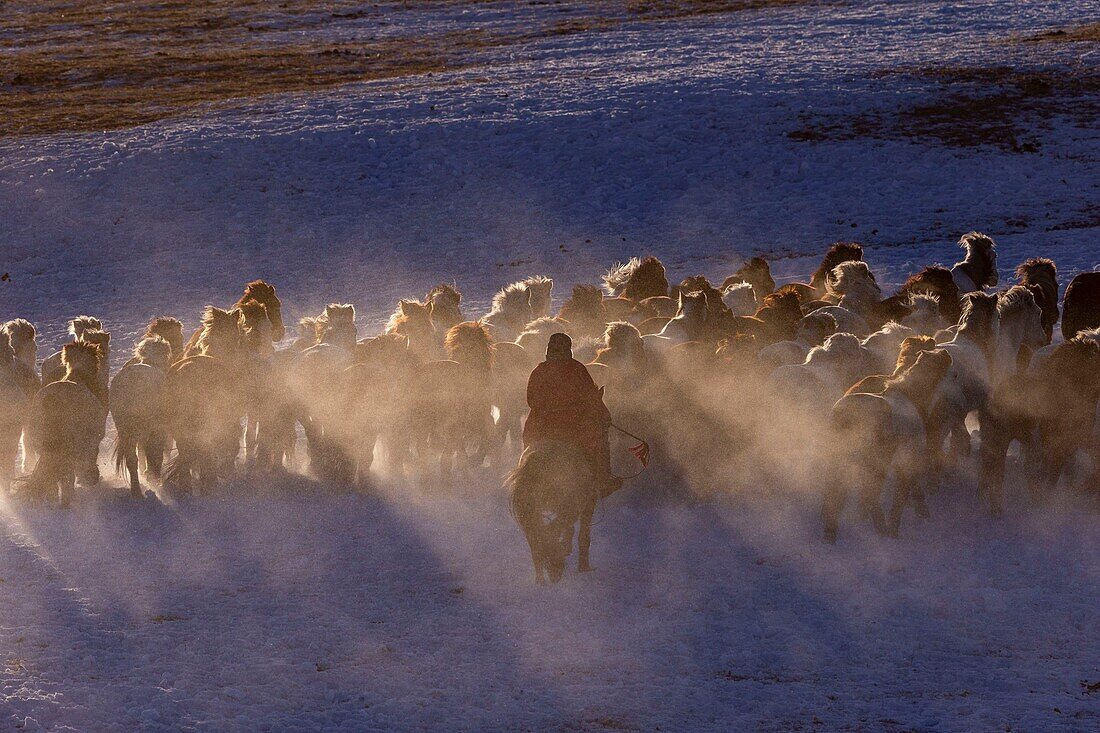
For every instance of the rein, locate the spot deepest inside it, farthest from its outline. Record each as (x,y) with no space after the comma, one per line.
(640,451)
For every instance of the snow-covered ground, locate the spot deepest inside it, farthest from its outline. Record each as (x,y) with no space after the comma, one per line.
(411,610)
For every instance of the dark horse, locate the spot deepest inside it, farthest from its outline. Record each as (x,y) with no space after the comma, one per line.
(553,488)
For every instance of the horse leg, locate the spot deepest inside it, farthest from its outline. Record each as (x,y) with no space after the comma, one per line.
(960,441)
(992,453)
(65,488)
(584,538)
(906,482)
(132,469)
(833,503)
(870,496)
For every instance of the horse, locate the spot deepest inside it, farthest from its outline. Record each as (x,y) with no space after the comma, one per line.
(838,252)
(881,347)
(52,368)
(517,305)
(374,389)
(756,272)
(935,281)
(824,376)
(413,321)
(740,299)
(452,400)
(444,308)
(66,422)
(138,410)
(536,334)
(205,402)
(924,316)
(585,311)
(637,279)
(1041,275)
(853,288)
(1081,305)
(21,383)
(258,290)
(812,331)
(1069,387)
(553,489)
(978,270)
(872,433)
(968,383)
(689,324)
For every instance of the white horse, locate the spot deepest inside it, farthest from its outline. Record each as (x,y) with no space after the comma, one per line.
(978,270)
(740,298)
(872,433)
(855,291)
(883,346)
(925,317)
(829,370)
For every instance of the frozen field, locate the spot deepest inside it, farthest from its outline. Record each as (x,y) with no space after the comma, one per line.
(703,138)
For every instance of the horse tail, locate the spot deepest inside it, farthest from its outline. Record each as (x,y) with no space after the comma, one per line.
(125,442)
(45,476)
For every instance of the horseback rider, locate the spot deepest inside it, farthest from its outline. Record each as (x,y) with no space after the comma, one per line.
(566,405)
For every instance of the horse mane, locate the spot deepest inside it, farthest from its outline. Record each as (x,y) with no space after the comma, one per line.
(470,343)
(839,252)
(381,348)
(819,326)
(80,324)
(252,310)
(444,298)
(407,311)
(19,330)
(621,334)
(845,277)
(445,292)
(218,323)
(839,347)
(7,353)
(310,329)
(258,290)
(637,279)
(1042,273)
(153,350)
(81,360)
(506,297)
(911,348)
(1015,299)
(338,325)
(805,293)
(919,382)
(168,328)
(740,298)
(102,339)
(978,245)
(757,272)
(936,280)
(536,333)
(979,316)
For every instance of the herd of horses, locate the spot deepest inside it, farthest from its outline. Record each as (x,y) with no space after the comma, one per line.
(830,384)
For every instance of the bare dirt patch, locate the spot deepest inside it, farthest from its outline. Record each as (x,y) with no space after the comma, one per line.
(969,107)
(83,65)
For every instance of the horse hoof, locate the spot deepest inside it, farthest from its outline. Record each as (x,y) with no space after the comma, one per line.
(586,568)
(830,537)
(997,512)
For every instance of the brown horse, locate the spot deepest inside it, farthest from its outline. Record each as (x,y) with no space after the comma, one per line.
(1041,275)
(838,252)
(452,400)
(445,308)
(553,489)
(756,272)
(637,279)
(65,425)
(585,311)
(258,290)
(205,402)
(375,389)
(138,410)
(1081,305)
(413,321)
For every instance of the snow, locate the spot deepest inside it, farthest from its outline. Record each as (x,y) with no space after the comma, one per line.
(411,609)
